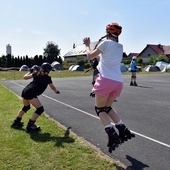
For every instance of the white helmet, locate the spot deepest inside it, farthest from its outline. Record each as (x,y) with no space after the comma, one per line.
(134,58)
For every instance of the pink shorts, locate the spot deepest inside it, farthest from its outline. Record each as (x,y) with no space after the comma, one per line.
(107,87)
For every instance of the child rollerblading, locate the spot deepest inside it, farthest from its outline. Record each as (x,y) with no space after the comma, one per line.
(133,69)
(30,94)
(109,83)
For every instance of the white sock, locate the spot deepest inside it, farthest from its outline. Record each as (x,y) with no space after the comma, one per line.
(119,123)
(108,126)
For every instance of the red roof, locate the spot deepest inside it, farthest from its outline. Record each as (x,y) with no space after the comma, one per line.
(157,48)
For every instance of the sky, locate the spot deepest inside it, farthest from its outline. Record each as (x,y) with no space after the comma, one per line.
(27,25)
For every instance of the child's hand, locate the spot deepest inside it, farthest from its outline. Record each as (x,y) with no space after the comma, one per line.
(57,92)
(86,41)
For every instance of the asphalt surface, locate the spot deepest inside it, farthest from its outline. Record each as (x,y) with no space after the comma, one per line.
(144,109)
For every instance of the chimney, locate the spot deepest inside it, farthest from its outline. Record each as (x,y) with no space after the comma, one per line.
(74,46)
(161,48)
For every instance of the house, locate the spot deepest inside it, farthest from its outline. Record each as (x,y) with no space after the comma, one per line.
(78,50)
(154,50)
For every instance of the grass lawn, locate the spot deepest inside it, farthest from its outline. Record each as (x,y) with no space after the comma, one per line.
(49,149)
(16,75)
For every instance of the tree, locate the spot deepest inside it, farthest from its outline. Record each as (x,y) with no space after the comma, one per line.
(8,64)
(80,60)
(51,52)
(3,61)
(36,60)
(139,60)
(162,58)
(154,59)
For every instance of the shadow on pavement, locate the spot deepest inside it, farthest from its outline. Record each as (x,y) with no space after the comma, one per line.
(136,165)
(143,87)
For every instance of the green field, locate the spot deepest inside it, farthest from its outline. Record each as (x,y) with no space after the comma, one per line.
(16,75)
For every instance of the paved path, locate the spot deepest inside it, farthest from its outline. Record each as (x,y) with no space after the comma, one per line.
(144,109)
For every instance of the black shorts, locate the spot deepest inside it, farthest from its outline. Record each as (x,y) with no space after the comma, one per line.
(95,72)
(28,93)
(133,71)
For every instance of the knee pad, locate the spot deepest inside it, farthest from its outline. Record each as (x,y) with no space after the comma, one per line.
(108,109)
(132,77)
(26,108)
(93,83)
(40,110)
(99,110)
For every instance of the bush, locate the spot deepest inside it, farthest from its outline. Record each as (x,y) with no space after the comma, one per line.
(87,65)
(155,59)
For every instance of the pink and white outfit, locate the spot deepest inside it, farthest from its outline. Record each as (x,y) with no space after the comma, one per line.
(109,81)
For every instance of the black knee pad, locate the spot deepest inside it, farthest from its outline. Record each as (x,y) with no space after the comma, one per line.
(99,110)
(26,108)
(132,77)
(108,109)
(40,110)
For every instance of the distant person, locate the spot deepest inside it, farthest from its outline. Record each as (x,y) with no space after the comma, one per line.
(94,64)
(109,83)
(30,94)
(133,68)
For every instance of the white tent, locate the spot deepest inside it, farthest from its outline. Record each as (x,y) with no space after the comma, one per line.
(57,66)
(166,69)
(161,64)
(70,68)
(123,68)
(76,68)
(24,68)
(150,68)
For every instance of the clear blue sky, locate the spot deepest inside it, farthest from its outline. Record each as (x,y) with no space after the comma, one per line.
(29,24)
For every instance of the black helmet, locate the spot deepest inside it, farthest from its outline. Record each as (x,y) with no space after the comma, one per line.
(46,67)
(35,68)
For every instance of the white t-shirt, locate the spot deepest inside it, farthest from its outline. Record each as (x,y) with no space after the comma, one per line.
(110,60)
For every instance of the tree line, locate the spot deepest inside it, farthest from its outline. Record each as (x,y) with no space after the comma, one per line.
(51,53)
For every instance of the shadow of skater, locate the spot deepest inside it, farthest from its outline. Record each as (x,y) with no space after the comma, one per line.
(19,129)
(144,87)
(136,165)
(45,137)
